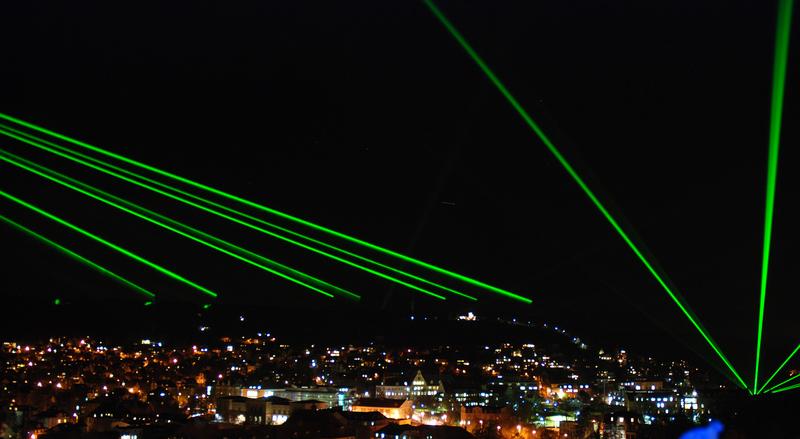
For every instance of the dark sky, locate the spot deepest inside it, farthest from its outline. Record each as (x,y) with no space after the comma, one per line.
(367,117)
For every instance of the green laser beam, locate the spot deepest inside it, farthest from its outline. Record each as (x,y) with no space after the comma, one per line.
(577,178)
(792,387)
(75,256)
(145,212)
(783,28)
(170,224)
(786,381)
(774,374)
(271,211)
(108,244)
(228,209)
(221,207)
(222,215)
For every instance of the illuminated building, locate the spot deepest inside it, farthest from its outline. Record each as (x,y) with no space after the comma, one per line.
(466,392)
(332,396)
(654,402)
(232,409)
(567,390)
(52,417)
(644,385)
(419,387)
(477,415)
(329,396)
(227,389)
(255,392)
(272,410)
(275,410)
(622,425)
(391,408)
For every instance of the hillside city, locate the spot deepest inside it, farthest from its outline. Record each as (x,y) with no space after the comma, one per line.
(259,385)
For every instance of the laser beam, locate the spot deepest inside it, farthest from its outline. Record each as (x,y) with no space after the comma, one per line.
(108,244)
(774,374)
(174,226)
(786,381)
(136,176)
(577,179)
(75,256)
(783,28)
(243,201)
(39,143)
(792,387)
(228,217)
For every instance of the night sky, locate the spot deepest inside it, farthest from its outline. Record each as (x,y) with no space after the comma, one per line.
(367,117)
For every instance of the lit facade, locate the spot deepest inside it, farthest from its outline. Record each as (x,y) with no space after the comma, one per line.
(391,408)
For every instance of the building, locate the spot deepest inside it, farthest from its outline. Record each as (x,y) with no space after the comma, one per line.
(274,411)
(365,423)
(314,424)
(332,396)
(622,425)
(418,388)
(391,408)
(644,385)
(227,389)
(397,431)
(310,404)
(570,429)
(466,392)
(232,409)
(569,389)
(654,402)
(485,415)
(52,417)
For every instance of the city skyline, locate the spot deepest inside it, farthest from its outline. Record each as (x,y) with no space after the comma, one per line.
(611,168)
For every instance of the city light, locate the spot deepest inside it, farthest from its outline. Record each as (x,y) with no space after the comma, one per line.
(84,361)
